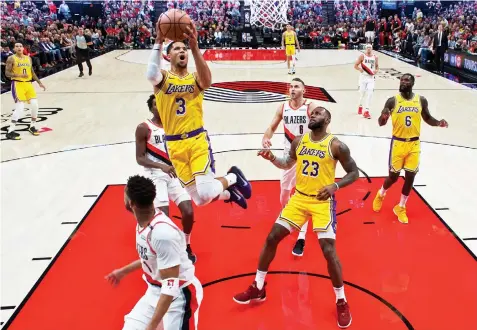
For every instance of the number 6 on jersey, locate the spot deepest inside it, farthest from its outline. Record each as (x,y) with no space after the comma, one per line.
(182,106)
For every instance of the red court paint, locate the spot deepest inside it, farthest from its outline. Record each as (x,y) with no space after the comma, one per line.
(419,271)
(44,129)
(245,55)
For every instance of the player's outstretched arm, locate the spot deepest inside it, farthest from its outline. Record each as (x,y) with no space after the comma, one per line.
(154,73)
(117,275)
(388,107)
(426,115)
(266,143)
(204,76)
(285,162)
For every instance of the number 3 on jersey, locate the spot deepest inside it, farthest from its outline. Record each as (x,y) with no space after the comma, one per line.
(314,170)
(182,106)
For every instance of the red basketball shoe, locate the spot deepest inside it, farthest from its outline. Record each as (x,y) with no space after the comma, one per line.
(252,293)
(360,110)
(367,115)
(344,315)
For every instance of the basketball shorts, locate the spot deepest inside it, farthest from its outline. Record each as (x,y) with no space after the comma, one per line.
(191,157)
(404,155)
(300,208)
(167,189)
(290,50)
(369,35)
(23,91)
(288,180)
(366,83)
(183,313)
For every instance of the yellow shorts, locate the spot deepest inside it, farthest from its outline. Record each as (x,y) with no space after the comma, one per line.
(191,157)
(404,155)
(290,50)
(299,208)
(23,91)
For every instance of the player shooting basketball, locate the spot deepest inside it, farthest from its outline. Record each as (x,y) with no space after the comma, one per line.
(179,95)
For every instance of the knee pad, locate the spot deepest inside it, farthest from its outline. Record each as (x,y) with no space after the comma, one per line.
(19,108)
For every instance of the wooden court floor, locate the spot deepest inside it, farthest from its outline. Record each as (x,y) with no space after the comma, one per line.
(74,170)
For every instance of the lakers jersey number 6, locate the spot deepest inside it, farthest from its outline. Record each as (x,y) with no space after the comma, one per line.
(179,103)
(315,166)
(406,117)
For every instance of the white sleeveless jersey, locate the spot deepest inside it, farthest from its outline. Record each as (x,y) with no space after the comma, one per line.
(368,65)
(156,146)
(162,245)
(295,122)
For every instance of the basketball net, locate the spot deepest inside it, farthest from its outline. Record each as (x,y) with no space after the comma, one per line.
(269,13)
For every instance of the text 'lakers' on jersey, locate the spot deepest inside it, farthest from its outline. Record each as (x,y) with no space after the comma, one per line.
(179,103)
(289,38)
(406,117)
(22,67)
(315,165)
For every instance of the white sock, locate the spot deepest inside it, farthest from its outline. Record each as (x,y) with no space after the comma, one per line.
(187,237)
(11,128)
(339,292)
(403,201)
(260,279)
(19,109)
(302,233)
(231,178)
(224,195)
(382,191)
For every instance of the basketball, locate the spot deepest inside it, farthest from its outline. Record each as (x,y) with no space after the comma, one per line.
(173,24)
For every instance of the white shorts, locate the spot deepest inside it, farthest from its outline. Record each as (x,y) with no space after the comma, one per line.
(329,233)
(369,35)
(366,83)
(167,188)
(288,180)
(184,309)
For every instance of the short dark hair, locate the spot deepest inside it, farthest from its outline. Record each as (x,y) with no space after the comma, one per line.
(298,79)
(141,191)
(18,42)
(410,77)
(326,110)
(150,100)
(169,47)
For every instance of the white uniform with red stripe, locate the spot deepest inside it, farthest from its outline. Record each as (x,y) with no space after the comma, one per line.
(162,245)
(167,188)
(367,78)
(295,122)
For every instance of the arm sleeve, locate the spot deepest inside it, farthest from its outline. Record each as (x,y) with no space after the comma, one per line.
(167,247)
(153,73)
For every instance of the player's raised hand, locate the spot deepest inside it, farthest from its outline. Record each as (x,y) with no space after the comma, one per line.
(114,277)
(159,36)
(191,35)
(266,143)
(443,123)
(266,154)
(326,192)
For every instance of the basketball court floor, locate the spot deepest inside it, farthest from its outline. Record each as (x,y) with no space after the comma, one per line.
(64,226)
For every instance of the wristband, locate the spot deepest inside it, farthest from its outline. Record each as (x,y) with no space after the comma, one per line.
(170,287)
(337,187)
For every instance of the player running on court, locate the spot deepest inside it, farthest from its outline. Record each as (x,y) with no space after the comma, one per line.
(295,117)
(151,153)
(179,96)
(19,69)
(173,294)
(406,110)
(315,155)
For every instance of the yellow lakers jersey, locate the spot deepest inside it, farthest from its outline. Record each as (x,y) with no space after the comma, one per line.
(22,66)
(179,103)
(406,117)
(315,165)
(289,38)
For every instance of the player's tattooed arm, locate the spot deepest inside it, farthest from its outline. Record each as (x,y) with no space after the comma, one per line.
(165,299)
(286,162)
(388,107)
(426,115)
(9,67)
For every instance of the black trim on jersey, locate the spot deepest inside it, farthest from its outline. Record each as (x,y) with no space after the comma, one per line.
(161,158)
(187,309)
(288,138)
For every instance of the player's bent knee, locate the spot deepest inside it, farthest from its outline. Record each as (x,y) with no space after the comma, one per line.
(186,209)
(328,248)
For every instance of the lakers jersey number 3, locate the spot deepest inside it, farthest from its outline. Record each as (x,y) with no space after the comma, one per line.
(315,168)
(405,144)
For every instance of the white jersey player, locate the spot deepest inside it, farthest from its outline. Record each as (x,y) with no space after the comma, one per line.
(367,65)
(295,117)
(173,294)
(151,153)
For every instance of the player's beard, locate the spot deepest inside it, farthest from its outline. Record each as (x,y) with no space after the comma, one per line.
(316,124)
(405,89)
